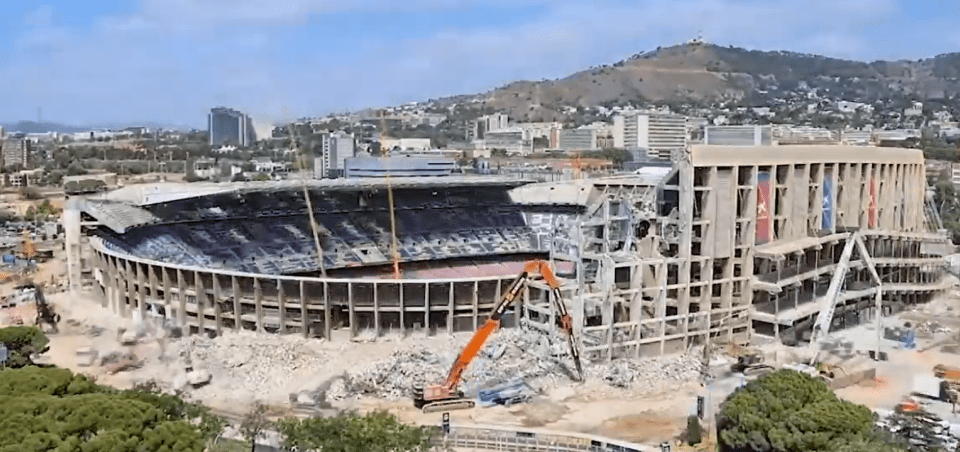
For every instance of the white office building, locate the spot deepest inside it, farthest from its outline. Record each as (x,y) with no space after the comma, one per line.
(331,156)
(657,134)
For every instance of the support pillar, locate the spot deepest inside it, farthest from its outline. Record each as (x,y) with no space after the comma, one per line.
(71,227)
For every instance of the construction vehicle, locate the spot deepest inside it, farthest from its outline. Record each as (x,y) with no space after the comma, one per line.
(749,360)
(45,311)
(447,396)
(951,381)
(27,293)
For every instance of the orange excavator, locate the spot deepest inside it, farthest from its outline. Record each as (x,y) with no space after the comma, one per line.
(447,396)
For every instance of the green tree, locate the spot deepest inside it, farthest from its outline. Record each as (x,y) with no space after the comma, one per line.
(255,423)
(261,177)
(378,431)
(694,433)
(23,343)
(75,169)
(790,411)
(54,409)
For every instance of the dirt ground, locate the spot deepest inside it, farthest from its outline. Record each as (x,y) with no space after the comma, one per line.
(591,407)
(578,407)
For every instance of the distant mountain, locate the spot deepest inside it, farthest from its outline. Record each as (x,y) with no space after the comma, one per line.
(44,127)
(40,127)
(707,74)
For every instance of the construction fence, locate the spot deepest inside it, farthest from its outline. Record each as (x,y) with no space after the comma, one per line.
(483,437)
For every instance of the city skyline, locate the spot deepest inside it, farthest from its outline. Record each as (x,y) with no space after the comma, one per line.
(171,61)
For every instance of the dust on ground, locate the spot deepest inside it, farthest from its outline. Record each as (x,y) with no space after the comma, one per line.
(283,371)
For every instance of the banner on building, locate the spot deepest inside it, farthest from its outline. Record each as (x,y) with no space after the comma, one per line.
(872,209)
(764,214)
(826,221)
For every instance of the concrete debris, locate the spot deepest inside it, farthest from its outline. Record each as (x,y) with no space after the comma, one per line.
(510,355)
(247,362)
(86,356)
(933,327)
(624,373)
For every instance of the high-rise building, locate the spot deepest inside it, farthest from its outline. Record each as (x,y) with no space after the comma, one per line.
(15,152)
(489,123)
(332,153)
(656,134)
(227,126)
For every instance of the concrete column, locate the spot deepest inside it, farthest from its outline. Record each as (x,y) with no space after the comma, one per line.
(282,304)
(167,296)
(110,278)
(303,309)
(152,281)
(450,310)
(201,302)
(131,293)
(216,305)
(376,312)
(686,183)
(71,227)
(403,332)
(141,290)
(258,303)
(327,315)
(476,305)
(426,309)
(237,312)
(182,311)
(351,311)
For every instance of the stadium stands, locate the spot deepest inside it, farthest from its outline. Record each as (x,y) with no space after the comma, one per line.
(268,231)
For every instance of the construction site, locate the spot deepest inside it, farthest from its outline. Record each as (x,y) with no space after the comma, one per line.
(600,305)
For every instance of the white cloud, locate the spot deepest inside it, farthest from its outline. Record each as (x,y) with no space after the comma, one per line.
(176,58)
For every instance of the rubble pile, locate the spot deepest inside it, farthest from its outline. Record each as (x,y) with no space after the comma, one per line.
(511,355)
(248,361)
(393,378)
(650,372)
(932,327)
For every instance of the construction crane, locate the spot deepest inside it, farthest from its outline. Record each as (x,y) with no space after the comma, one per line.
(294,135)
(447,396)
(829,304)
(394,251)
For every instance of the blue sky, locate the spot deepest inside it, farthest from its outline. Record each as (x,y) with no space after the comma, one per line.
(169,61)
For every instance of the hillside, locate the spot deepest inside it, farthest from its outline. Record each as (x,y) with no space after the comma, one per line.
(706,74)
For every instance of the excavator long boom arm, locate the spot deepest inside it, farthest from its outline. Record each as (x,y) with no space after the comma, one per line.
(493,322)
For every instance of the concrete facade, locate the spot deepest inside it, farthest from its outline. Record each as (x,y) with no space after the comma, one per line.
(733,241)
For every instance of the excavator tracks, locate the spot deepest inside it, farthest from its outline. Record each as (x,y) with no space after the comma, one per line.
(449,405)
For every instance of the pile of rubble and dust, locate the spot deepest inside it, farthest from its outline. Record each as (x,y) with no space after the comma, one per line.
(247,362)
(652,372)
(539,358)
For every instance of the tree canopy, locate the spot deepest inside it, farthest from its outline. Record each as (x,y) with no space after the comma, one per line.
(793,412)
(54,409)
(374,432)
(23,342)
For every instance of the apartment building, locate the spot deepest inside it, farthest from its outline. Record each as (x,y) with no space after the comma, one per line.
(658,134)
(583,139)
(228,126)
(332,153)
(14,152)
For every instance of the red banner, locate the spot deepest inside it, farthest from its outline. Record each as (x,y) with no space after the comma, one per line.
(764,214)
(872,209)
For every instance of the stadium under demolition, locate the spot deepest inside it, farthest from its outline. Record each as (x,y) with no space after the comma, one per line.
(726,243)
